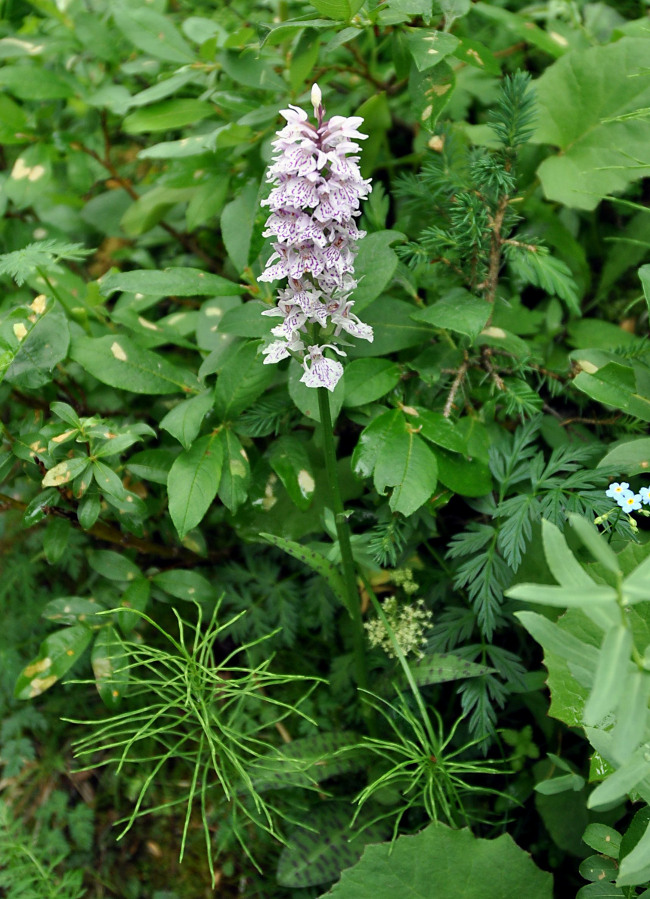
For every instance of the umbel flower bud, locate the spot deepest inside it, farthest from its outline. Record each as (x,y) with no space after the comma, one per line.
(314,203)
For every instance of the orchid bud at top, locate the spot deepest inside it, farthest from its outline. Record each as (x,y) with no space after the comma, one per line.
(316,98)
(314,203)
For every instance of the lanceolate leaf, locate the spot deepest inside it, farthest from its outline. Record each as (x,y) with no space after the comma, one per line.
(110,666)
(307,761)
(319,854)
(58,653)
(118,361)
(314,560)
(236,472)
(193,482)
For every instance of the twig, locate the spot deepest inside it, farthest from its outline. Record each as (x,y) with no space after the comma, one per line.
(458,380)
(184,239)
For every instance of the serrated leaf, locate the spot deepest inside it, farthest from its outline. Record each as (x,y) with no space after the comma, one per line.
(193,483)
(314,560)
(57,654)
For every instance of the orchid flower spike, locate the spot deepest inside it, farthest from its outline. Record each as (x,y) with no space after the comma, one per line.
(317,190)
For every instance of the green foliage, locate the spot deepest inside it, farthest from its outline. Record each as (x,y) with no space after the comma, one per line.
(149,459)
(434,863)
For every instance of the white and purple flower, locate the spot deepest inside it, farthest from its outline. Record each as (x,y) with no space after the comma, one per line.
(314,203)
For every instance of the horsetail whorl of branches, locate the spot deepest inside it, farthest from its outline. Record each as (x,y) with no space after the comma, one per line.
(314,203)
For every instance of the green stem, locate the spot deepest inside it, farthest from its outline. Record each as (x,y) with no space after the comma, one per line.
(343,534)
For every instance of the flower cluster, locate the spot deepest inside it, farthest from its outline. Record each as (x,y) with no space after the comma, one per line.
(314,204)
(408,624)
(627,499)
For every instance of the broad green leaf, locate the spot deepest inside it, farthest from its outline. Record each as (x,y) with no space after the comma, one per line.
(177,282)
(373,440)
(623,781)
(476,54)
(65,472)
(410,468)
(306,761)
(631,715)
(167,115)
(74,610)
(428,46)
(611,675)
(564,566)
(152,32)
(113,566)
(43,346)
(393,329)
(289,460)
(440,863)
(151,465)
(631,457)
(207,202)
(163,89)
(459,311)
(109,661)
(134,599)
(430,91)
(242,381)
(246,320)
(595,543)
(236,472)
(557,639)
(337,9)
(613,384)
(237,220)
(634,853)
(145,212)
(28,82)
(314,560)
(439,430)
(120,362)
(187,585)
(319,851)
(366,380)
(523,27)
(193,482)
(55,539)
(583,99)
(374,267)
(567,597)
(184,421)
(465,476)
(636,586)
(57,654)
(108,481)
(605,840)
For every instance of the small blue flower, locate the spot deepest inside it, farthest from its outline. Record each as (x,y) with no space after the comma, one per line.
(631,502)
(644,493)
(619,492)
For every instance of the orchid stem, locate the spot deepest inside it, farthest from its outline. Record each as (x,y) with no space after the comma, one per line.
(343,534)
